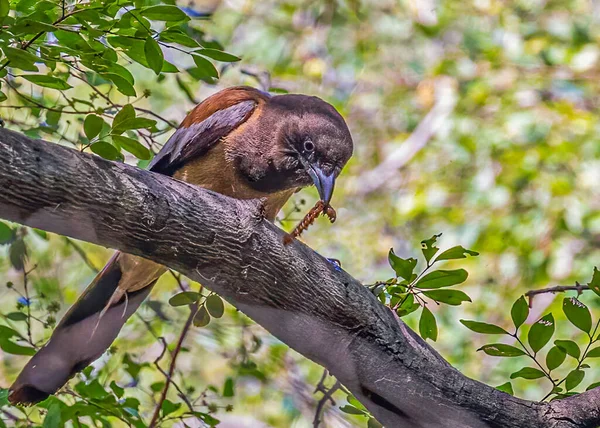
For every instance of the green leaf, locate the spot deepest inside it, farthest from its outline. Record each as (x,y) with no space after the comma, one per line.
(351,410)
(574,378)
(228,390)
(3,96)
(570,347)
(449,297)
(53,418)
(594,284)
(427,325)
(214,305)
(593,385)
(202,317)
(106,150)
(117,389)
(218,55)
(17,254)
(53,117)
(519,311)
(184,298)
(92,125)
(593,353)
(16,316)
(442,278)
(205,67)
(501,350)
(408,305)
(133,123)
(403,267)
(14,349)
(47,81)
(373,423)
(154,55)
(506,387)
(21,59)
(577,313)
(121,83)
(164,13)
(132,146)
(3,397)
(127,112)
(454,253)
(169,407)
(528,373)
(555,357)
(174,35)
(541,332)
(6,233)
(428,247)
(483,328)
(4,8)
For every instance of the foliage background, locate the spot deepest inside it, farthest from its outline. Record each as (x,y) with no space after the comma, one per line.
(511,170)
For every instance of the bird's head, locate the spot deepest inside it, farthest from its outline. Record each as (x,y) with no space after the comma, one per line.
(312,144)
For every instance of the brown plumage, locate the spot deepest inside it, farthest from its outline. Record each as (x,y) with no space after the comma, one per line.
(240,142)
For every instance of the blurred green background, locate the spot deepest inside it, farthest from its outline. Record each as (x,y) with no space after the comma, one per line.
(478,119)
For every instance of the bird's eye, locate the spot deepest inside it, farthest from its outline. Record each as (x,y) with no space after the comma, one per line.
(309,146)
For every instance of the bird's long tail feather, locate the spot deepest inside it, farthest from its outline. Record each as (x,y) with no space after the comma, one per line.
(85,332)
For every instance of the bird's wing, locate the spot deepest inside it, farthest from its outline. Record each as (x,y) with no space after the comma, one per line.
(206,125)
(94,321)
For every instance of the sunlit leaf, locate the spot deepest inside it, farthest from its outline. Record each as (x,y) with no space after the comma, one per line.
(555,357)
(442,278)
(403,267)
(577,313)
(92,125)
(573,379)
(506,387)
(6,233)
(164,13)
(594,284)
(519,311)
(527,373)
(570,347)
(481,327)
(154,55)
(106,150)
(202,317)
(428,247)
(218,55)
(215,306)
(541,332)
(428,325)
(47,81)
(184,298)
(132,146)
(501,350)
(457,252)
(449,297)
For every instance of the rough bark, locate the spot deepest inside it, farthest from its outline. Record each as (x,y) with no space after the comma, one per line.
(292,291)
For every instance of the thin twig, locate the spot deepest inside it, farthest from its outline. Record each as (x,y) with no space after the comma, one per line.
(174,355)
(327,396)
(557,289)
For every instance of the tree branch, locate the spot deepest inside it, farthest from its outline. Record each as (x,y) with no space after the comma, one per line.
(557,289)
(292,291)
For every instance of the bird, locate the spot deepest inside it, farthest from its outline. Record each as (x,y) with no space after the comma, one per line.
(241,142)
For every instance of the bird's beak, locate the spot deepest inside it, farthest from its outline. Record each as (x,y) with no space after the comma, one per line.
(324,183)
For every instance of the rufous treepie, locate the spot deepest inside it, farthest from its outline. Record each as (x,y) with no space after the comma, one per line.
(240,142)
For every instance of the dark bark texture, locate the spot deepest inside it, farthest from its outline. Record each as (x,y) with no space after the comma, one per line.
(292,291)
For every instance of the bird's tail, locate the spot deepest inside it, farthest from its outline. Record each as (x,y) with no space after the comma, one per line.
(88,328)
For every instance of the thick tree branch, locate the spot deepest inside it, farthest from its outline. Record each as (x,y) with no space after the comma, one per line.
(290,290)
